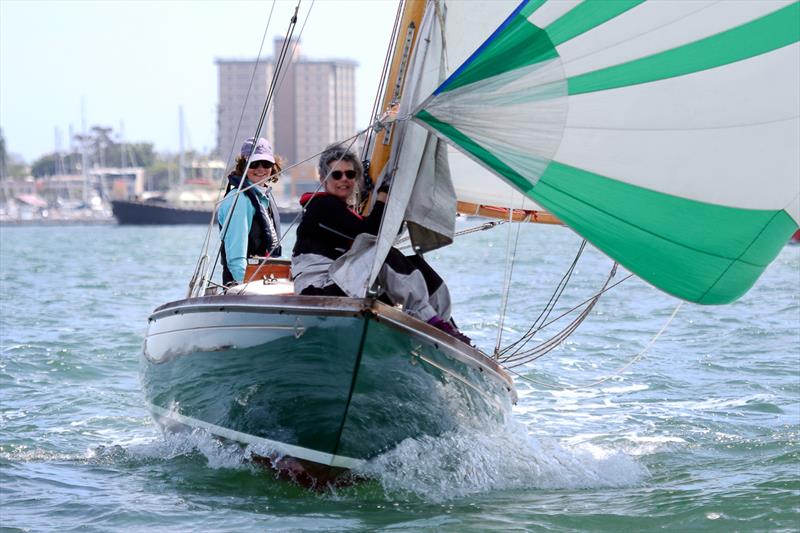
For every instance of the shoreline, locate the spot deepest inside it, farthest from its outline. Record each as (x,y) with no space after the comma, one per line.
(59,222)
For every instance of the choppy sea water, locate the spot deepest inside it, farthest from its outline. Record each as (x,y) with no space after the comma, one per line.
(701,432)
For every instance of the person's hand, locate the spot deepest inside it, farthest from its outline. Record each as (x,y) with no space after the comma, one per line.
(390,115)
(383,192)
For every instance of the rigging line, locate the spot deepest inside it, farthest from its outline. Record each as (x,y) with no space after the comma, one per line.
(599,293)
(507,281)
(523,357)
(593,297)
(619,371)
(537,326)
(545,347)
(403,243)
(547,309)
(229,160)
(549,345)
(265,109)
(207,240)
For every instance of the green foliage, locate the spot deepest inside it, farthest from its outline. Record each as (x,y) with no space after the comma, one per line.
(101,150)
(3,156)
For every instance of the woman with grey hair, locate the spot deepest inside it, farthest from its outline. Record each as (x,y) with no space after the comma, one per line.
(327,231)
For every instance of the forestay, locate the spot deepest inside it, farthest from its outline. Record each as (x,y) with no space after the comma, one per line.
(666,133)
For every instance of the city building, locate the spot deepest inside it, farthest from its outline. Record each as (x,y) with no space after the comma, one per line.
(313,107)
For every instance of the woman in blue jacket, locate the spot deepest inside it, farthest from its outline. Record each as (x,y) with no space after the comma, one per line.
(253,226)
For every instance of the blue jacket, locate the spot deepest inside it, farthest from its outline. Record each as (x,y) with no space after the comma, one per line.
(237,239)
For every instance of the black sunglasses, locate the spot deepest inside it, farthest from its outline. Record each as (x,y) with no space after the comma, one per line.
(261,164)
(337,174)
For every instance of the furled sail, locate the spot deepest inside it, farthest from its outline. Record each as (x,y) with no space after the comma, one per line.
(664,132)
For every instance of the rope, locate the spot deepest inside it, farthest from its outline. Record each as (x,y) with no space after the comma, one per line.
(276,83)
(510,255)
(619,371)
(202,261)
(545,313)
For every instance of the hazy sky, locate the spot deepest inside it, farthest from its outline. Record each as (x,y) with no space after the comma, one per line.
(134,62)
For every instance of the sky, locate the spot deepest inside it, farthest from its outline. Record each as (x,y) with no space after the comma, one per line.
(131,64)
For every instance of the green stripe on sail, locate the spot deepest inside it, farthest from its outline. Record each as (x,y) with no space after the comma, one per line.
(531,7)
(475,150)
(700,252)
(586,16)
(517,45)
(773,31)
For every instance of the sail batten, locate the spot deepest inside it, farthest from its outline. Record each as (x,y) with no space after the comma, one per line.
(666,133)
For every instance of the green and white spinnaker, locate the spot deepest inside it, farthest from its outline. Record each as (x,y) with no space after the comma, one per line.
(667,133)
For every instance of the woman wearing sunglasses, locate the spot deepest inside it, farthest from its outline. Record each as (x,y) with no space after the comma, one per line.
(254,225)
(327,230)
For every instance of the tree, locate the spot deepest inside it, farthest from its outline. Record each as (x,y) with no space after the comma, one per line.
(3,157)
(45,166)
(55,163)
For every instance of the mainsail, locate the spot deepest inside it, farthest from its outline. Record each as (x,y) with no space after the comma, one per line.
(666,133)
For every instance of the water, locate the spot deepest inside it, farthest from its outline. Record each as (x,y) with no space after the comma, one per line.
(702,432)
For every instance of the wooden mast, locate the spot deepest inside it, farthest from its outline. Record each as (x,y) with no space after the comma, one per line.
(406,40)
(407,33)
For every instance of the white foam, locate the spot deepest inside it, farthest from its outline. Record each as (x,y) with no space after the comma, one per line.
(465,462)
(169,446)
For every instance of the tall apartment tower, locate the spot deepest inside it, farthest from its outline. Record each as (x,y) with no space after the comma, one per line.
(313,107)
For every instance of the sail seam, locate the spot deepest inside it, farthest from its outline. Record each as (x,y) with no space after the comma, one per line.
(733,261)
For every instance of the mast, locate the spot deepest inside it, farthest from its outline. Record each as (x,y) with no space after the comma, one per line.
(181,175)
(123,162)
(84,155)
(408,30)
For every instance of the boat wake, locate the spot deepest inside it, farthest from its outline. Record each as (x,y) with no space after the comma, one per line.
(467,462)
(452,466)
(169,446)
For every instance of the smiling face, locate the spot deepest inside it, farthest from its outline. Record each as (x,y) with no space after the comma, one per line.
(343,187)
(259,170)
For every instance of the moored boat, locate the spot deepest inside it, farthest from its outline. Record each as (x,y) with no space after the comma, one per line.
(158,211)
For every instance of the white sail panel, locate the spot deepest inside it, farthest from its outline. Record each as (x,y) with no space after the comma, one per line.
(468,24)
(653,27)
(552,11)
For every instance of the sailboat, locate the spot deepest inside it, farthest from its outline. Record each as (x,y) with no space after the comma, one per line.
(664,133)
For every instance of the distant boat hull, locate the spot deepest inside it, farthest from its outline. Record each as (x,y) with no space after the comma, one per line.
(151,213)
(132,212)
(316,386)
